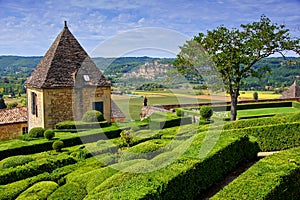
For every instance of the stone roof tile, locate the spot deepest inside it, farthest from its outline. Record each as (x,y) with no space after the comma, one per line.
(64,65)
(13,115)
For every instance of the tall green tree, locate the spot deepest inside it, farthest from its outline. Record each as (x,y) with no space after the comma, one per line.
(234,52)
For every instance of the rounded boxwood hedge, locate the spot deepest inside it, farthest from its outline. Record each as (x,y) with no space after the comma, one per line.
(93,116)
(15,161)
(49,134)
(36,132)
(58,145)
(206,112)
(39,190)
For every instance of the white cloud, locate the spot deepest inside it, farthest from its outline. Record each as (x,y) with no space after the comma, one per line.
(38,22)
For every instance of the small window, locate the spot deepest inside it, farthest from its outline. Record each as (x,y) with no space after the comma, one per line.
(86,78)
(24,130)
(34,107)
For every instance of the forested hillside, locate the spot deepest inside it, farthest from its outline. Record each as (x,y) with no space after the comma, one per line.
(14,70)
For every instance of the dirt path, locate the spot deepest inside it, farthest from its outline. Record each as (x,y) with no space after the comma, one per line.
(231,176)
(227,179)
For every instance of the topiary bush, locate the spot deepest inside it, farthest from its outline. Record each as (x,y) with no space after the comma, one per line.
(58,145)
(127,137)
(15,161)
(206,112)
(36,132)
(93,116)
(49,134)
(179,112)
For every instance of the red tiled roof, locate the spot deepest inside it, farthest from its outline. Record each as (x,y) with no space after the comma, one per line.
(13,115)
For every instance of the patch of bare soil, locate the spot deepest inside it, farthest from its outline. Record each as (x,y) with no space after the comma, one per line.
(227,179)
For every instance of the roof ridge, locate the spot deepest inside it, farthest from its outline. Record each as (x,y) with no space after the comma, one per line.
(58,37)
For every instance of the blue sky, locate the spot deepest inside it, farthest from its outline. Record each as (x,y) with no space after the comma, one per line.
(29,27)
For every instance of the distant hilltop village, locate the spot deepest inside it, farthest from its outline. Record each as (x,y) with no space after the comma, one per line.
(149,70)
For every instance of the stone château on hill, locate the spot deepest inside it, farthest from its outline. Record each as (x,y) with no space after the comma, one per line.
(292,92)
(66,84)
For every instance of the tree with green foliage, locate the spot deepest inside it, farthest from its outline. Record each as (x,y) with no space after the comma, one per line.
(234,52)
(255,96)
(2,103)
(206,112)
(127,137)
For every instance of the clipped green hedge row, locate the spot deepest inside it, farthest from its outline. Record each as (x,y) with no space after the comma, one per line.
(13,190)
(294,117)
(159,124)
(273,177)
(254,122)
(254,106)
(273,137)
(70,191)
(15,161)
(34,168)
(47,145)
(80,125)
(185,178)
(40,190)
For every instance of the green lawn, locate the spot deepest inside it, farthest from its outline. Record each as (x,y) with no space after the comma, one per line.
(260,111)
(266,111)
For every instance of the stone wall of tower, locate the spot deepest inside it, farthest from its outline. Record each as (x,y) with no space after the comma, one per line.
(85,97)
(35,119)
(59,104)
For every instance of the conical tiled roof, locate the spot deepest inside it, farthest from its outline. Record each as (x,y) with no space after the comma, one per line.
(292,92)
(65,64)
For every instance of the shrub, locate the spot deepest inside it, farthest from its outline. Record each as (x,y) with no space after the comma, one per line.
(15,161)
(75,126)
(26,137)
(92,116)
(179,112)
(255,96)
(127,137)
(206,112)
(58,145)
(36,132)
(49,134)
(39,190)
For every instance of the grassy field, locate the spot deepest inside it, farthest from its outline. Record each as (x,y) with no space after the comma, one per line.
(261,95)
(131,105)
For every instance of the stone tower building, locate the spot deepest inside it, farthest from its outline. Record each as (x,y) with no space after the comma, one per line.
(292,92)
(66,84)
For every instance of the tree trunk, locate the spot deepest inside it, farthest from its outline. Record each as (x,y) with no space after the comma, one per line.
(234,101)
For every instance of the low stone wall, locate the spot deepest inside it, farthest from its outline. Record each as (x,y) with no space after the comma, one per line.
(11,131)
